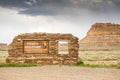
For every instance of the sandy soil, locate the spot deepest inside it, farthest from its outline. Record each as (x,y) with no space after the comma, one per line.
(54,72)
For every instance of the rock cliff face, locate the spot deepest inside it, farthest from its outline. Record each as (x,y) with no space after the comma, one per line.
(102,35)
(101,46)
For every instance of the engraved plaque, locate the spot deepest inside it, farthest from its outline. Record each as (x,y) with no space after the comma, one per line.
(36,46)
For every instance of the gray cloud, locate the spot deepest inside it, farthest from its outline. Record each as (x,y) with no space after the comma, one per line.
(73,16)
(13,3)
(61,7)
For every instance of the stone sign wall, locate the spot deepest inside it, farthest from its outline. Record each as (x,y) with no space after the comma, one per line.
(43,48)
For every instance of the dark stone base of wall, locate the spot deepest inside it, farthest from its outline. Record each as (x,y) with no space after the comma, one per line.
(43,61)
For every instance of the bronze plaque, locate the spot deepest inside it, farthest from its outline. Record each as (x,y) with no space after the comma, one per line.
(36,46)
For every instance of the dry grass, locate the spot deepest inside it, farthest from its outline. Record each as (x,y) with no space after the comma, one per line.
(100,56)
(3,56)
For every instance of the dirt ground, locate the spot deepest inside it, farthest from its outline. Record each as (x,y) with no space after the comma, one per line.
(54,72)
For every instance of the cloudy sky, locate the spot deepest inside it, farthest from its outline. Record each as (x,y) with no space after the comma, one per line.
(54,16)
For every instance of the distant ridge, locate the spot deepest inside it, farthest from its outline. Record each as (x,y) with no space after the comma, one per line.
(3,46)
(102,35)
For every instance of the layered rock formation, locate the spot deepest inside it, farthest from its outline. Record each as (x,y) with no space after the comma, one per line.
(102,35)
(101,46)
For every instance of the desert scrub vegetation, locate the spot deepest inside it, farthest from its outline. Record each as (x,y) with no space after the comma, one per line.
(3,56)
(118,65)
(81,64)
(16,65)
(99,55)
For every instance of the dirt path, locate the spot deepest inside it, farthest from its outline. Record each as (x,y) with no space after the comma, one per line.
(54,72)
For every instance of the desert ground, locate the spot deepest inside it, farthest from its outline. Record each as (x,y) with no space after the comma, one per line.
(54,72)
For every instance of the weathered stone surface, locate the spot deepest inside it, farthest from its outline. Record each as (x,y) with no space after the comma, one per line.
(17,55)
(102,35)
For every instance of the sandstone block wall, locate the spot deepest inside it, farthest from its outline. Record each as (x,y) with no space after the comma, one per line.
(17,55)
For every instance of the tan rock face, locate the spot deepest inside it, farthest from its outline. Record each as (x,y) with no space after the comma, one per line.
(42,48)
(102,35)
(104,29)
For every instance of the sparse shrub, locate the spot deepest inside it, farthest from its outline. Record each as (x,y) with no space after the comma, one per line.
(118,65)
(80,63)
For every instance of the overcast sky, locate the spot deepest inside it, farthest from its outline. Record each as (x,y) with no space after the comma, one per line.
(54,16)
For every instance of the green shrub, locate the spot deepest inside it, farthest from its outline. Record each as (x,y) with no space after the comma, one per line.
(118,66)
(16,65)
(80,63)
(101,66)
(98,66)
